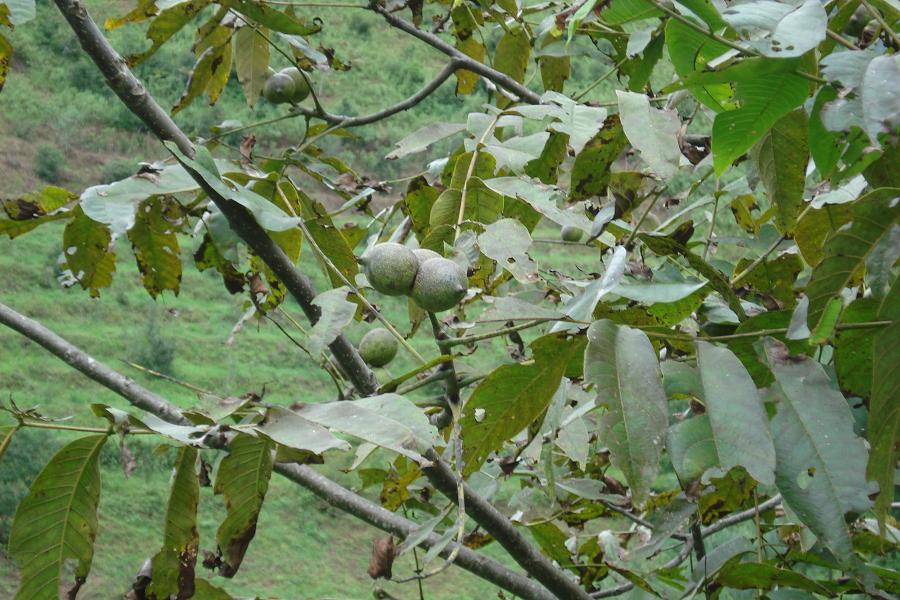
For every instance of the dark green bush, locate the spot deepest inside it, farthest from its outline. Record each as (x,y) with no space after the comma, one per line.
(50,163)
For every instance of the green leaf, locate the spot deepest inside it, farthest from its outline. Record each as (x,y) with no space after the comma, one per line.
(324,233)
(815,227)
(88,252)
(555,70)
(277,20)
(824,145)
(656,293)
(763,576)
(422,138)
(512,397)
(691,448)
(243,479)
(289,429)
(666,246)
(335,313)
(204,167)
(762,324)
(654,132)
(821,463)
(167,24)
(156,245)
(57,521)
(738,421)
(467,80)
(766,90)
(591,171)
(781,158)
(507,242)
(541,198)
(204,590)
(779,30)
(172,568)
(387,420)
(853,348)
(622,365)
(511,57)
(625,11)
(773,277)
(483,205)
(884,410)
(846,251)
(251,62)
(210,64)
(690,51)
(115,204)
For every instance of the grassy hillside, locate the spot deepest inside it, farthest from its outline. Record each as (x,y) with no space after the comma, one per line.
(92,138)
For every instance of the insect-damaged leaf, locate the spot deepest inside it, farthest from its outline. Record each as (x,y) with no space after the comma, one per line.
(172,569)
(156,245)
(243,479)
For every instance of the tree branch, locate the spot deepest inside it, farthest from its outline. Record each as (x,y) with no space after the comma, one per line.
(132,92)
(502,529)
(321,486)
(346,121)
(462,61)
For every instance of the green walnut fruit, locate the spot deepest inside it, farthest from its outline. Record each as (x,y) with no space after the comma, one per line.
(423,254)
(301,86)
(440,285)
(571,234)
(378,347)
(279,88)
(390,268)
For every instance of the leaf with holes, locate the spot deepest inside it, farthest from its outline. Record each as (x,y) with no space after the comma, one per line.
(155,244)
(87,247)
(57,521)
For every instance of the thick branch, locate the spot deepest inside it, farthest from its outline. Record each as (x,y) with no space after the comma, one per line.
(243,223)
(132,92)
(484,513)
(501,79)
(346,121)
(320,485)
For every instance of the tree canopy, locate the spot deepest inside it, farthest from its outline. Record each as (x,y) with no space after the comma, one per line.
(700,396)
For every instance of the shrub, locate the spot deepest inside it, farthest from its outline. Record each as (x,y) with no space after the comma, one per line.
(117,169)
(153,349)
(49,163)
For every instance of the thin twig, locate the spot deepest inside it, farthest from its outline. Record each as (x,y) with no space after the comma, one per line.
(740,276)
(884,25)
(171,379)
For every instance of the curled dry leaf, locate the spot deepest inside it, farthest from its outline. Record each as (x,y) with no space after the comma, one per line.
(382,560)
